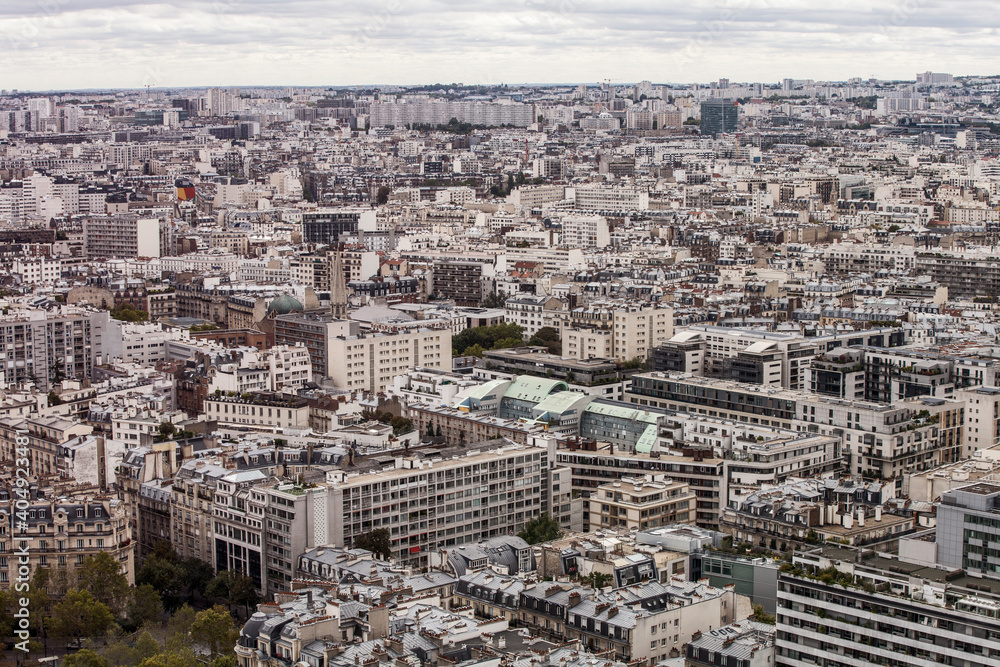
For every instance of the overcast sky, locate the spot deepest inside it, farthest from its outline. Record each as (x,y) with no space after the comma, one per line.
(64,44)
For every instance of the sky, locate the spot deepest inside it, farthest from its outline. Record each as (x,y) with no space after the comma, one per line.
(78,44)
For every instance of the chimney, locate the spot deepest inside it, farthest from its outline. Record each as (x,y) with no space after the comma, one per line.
(878,512)
(861,517)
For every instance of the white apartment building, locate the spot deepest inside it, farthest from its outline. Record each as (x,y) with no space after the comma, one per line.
(37,270)
(553,260)
(613,199)
(982,418)
(533,312)
(369,362)
(611,331)
(121,236)
(265,412)
(585,231)
(440,503)
(139,343)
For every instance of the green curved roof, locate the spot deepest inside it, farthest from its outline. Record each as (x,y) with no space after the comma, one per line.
(528,388)
(285,304)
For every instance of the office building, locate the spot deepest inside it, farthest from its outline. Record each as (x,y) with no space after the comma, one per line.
(719,116)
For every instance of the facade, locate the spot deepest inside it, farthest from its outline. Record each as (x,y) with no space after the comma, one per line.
(719,116)
(41,346)
(64,527)
(269,412)
(641,503)
(121,237)
(327,226)
(315,330)
(370,361)
(418,500)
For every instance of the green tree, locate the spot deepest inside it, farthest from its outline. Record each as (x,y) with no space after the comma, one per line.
(382,195)
(79,615)
(164,575)
(540,529)
(101,575)
(145,605)
(474,351)
(234,587)
(377,541)
(215,628)
(126,312)
(85,658)
(184,657)
(598,580)
(762,616)
(179,627)
(54,399)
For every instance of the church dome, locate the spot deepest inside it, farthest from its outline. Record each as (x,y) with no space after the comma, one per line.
(285,304)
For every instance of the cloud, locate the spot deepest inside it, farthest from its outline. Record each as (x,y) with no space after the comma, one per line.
(58,44)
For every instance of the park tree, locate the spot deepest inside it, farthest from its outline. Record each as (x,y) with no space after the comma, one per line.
(101,575)
(79,615)
(377,541)
(85,658)
(543,528)
(145,605)
(235,588)
(215,628)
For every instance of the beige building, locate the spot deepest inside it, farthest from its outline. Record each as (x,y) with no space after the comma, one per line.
(616,332)
(258,411)
(369,362)
(63,532)
(642,502)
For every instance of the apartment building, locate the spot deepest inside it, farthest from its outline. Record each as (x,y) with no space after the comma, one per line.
(640,503)
(612,331)
(966,274)
(315,330)
(532,312)
(883,610)
(370,361)
(610,199)
(47,438)
(591,467)
(39,345)
(121,237)
(192,509)
(259,411)
(328,225)
(880,440)
(458,280)
(443,501)
(585,231)
(64,526)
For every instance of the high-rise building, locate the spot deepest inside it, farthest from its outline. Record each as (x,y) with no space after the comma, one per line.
(719,116)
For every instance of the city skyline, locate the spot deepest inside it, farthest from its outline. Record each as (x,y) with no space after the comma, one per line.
(239,43)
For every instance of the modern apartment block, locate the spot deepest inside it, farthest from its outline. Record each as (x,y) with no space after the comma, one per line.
(845,610)
(641,502)
(327,226)
(370,361)
(458,280)
(441,502)
(121,237)
(39,345)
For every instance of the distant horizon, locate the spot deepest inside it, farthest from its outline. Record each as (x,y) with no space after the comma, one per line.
(589,84)
(59,45)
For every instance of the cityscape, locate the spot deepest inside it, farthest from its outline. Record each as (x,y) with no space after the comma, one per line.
(612,373)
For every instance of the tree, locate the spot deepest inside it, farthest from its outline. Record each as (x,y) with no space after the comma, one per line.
(145,605)
(234,587)
(166,430)
(215,628)
(165,576)
(377,541)
(101,576)
(85,658)
(598,580)
(181,658)
(547,337)
(762,616)
(197,573)
(54,399)
(495,300)
(540,529)
(382,195)
(179,627)
(126,312)
(80,615)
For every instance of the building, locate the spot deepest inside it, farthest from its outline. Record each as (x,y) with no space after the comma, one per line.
(459,280)
(369,362)
(328,225)
(967,530)
(315,330)
(641,502)
(418,499)
(719,116)
(843,609)
(744,644)
(121,237)
(63,527)
(259,411)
